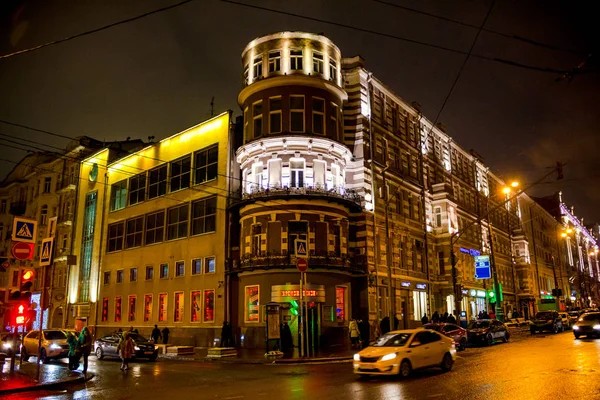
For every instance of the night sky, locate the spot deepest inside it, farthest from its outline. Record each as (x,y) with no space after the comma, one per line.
(156,76)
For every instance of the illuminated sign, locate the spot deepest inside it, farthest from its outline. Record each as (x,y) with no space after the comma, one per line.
(471,252)
(465,291)
(405,284)
(421,286)
(473,293)
(481,293)
(296,293)
(20,319)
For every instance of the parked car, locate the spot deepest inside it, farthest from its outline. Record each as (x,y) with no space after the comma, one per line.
(6,339)
(486,331)
(573,316)
(587,325)
(454,332)
(106,346)
(54,344)
(516,323)
(401,352)
(546,321)
(566,319)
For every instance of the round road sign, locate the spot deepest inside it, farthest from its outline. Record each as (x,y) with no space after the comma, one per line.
(302,264)
(22,251)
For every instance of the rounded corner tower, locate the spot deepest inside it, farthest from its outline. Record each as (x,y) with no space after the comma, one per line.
(294,190)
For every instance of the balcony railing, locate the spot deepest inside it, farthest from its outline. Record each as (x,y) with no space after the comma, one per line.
(260,193)
(352,263)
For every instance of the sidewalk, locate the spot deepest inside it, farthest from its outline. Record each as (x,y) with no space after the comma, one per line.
(51,376)
(257,356)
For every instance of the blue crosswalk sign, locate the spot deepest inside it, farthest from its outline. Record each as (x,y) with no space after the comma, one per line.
(24,230)
(300,247)
(46,253)
(482,267)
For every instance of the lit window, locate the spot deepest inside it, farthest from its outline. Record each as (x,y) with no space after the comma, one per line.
(196,303)
(257,172)
(180,173)
(332,71)
(296,60)
(197,266)
(118,309)
(137,189)
(147,308)
(157,182)
(296,113)
(131,313)
(204,216)
(105,309)
(205,164)
(297,173)
(275,115)
(133,275)
(162,307)
(177,222)
(257,118)
(340,304)
(318,116)
(134,232)
(252,303)
(209,305)
(155,227)
(178,307)
(317,63)
(258,67)
(209,265)
(319,168)
(164,271)
(115,236)
(274,61)
(179,268)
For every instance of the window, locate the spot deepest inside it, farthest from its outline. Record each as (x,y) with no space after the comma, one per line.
(105,309)
(106,277)
(318,116)
(149,272)
(133,275)
(196,302)
(197,266)
(257,67)
(179,268)
(317,62)
(3,203)
(147,308)
(44,215)
(155,227)
(206,164)
(256,239)
(118,309)
(257,118)
(274,61)
(177,222)
(131,312)
(438,216)
(157,182)
(252,303)
(204,216)
(275,115)
(164,271)
(296,60)
(419,305)
(209,265)
(47,184)
(134,232)
(137,189)
(162,307)
(246,74)
(332,71)
(65,241)
(340,303)
(296,113)
(257,173)
(297,173)
(180,173)
(178,307)
(118,195)
(115,236)
(209,305)
(120,276)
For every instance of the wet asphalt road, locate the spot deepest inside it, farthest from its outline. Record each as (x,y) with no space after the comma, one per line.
(539,367)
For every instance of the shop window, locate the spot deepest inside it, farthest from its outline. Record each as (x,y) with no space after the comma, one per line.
(209,265)
(296,113)
(257,67)
(131,316)
(178,307)
(275,115)
(209,306)
(197,266)
(419,305)
(257,119)
(297,173)
(177,222)
(137,189)
(340,304)
(296,60)
(204,216)
(162,307)
(252,303)
(196,302)
(118,309)
(317,62)
(155,227)
(134,232)
(148,308)
(318,116)
(180,173)
(157,182)
(105,309)
(206,163)
(179,268)
(274,61)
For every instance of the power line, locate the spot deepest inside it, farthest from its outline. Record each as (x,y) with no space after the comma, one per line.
(514,37)
(68,38)
(401,38)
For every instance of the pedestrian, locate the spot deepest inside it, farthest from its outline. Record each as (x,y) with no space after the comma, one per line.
(451,319)
(120,330)
(385,325)
(435,318)
(424,320)
(165,335)
(492,314)
(125,348)
(365,331)
(286,337)
(354,333)
(85,346)
(486,315)
(155,334)
(445,317)
(73,358)
(225,335)
(509,314)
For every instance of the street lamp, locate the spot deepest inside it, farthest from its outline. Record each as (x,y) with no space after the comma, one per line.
(507,192)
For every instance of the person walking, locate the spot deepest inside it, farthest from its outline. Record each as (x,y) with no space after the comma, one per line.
(155,334)
(225,335)
(435,318)
(451,319)
(384,325)
(125,348)
(354,333)
(365,331)
(492,314)
(165,335)
(85,346)
(445,317)
(424,320)
(73,358)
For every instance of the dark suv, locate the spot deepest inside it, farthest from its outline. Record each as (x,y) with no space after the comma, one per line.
(546,321)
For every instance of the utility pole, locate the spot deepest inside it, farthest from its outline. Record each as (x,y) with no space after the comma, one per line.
(212,107)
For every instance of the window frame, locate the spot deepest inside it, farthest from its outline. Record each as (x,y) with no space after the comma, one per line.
(298,111)
(296,60)
(106,278)
(194,260)
(180,263)
(257,67)
(197,310)
(160,272)
(208,167)
(273,112)
(119,302)
(274,60)
(160,183)
(148,310)
(178,308)
(297,180)
(204,308)
(257,117)
(155,229)
(179,222)
(133,274)
(193,219)
(183,175)
(321,114)
(318,62)
(129,314)
(135,233)
(164,298)
(139,193)
(149,272)
(333,75)
(120,276)
(206,266)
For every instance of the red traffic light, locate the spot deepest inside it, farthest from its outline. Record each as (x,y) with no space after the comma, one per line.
(20,315)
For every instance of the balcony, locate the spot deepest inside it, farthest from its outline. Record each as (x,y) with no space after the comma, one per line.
(346,197)
(18,208)
(68,183)
(352,263)
(66,219)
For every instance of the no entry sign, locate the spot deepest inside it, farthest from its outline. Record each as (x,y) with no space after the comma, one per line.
(302,264)
(22,251)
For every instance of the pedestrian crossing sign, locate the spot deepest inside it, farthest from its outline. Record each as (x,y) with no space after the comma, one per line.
(46,252)
(300,248)
(24,230)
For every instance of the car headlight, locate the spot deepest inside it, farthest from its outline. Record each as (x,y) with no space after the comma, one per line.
(55,346)
(597,327)
(137,348)
(356,357)
(575,328)
(6,345)
(389,357)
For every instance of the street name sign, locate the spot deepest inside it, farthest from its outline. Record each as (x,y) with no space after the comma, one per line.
(24,230)
(482,267)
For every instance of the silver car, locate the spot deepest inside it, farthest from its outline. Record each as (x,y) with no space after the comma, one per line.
(587,325)
(54,344)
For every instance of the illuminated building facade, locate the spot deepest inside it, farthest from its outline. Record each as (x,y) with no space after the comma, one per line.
(150,243)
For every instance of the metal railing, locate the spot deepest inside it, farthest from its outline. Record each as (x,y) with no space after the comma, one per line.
(356,263)
(317,191)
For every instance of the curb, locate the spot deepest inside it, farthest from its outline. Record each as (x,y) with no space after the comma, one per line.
(49,385)
(265,361)
(312,360)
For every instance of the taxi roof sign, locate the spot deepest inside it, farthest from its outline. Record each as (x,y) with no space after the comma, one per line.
(24,230)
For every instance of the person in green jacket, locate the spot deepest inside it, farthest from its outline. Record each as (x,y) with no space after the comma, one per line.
(85,346)
(73,356)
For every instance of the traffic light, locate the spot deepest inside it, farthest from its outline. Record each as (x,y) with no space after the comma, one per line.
(25,285)
(20,314)
(294,309)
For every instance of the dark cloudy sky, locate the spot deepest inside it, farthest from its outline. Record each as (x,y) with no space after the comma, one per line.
(156,76)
